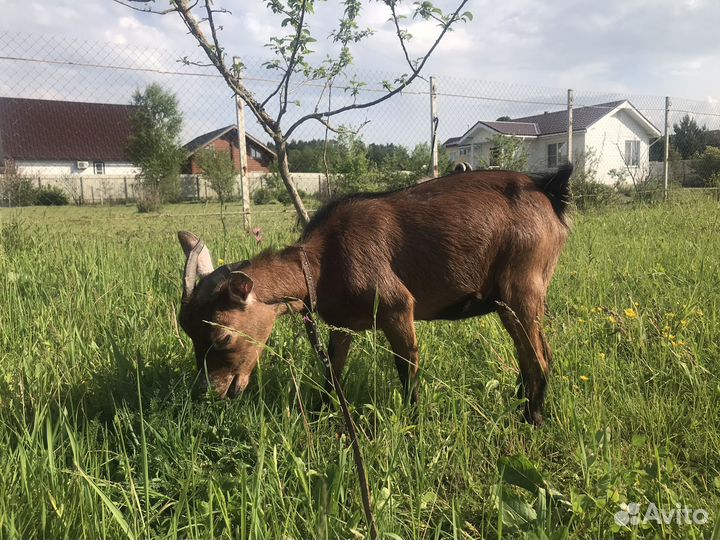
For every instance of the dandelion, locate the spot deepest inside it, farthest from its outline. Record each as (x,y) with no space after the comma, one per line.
(584,378)
(221,262)
(601,356)
(611,319)
(684,323)
(630,313)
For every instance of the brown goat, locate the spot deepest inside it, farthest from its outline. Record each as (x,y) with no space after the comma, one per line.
(454,247)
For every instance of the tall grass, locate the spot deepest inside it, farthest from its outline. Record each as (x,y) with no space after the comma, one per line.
(100,435)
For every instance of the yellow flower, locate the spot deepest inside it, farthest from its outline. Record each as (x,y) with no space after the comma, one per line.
(670,315)
(584,378)
(630,313)
(221,262)
(611,319)
(684,323)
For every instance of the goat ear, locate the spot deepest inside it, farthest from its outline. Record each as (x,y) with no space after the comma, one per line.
(204,261)
(240,286)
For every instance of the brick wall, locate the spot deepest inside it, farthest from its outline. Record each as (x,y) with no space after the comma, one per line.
(228,143)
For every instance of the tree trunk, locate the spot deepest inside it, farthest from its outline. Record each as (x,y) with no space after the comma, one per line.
(284,170)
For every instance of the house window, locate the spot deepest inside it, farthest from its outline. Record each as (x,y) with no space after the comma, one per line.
(632,153)
(555,154)
(99,167)
(464,151)
(255,153)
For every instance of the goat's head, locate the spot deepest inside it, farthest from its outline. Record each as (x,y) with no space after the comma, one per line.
(224,319)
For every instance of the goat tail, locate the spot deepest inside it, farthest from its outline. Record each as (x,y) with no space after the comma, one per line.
(556,185)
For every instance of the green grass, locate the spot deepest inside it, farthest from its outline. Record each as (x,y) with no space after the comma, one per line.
(100,437)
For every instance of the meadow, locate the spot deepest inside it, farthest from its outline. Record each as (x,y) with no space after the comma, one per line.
(102,435)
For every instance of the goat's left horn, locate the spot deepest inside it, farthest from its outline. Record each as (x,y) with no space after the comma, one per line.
(198,263)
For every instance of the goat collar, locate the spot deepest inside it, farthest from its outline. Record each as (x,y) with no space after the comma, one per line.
(312,293)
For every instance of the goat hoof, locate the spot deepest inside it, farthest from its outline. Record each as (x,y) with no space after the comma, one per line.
(535,418)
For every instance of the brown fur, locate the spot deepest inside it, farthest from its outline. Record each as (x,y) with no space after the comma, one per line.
(454,247)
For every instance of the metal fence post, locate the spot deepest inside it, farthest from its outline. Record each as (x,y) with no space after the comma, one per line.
(82,191)
(125,189)
(570,106)
(666,164)
(242,149)
(433,127)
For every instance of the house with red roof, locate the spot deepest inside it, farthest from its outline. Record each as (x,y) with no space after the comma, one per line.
(50,138)
(225,139)
(606,136)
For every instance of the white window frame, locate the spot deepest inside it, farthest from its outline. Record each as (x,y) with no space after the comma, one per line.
(464,151)
(632,153)
(99,167)
(554,156)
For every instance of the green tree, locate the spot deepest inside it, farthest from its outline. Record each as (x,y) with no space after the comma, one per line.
(349,160)
(509,153)
(154,145)
(219,170)
(689,138)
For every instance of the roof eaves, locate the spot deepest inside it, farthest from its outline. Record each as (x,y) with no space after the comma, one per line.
(260,143)
(472,129)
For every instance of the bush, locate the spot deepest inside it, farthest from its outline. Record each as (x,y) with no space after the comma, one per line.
(51,196)
(148,200)
(588,194)
(263,196)
(708,165)
(649,190)
(18,191)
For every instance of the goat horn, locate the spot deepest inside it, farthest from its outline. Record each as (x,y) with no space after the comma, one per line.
(191,267)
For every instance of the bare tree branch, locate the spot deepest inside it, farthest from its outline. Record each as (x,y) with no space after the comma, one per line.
(293,60)
(414,75)
(399,33)
(147,9)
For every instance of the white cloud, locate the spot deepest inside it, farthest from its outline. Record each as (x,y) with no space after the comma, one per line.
(653,47)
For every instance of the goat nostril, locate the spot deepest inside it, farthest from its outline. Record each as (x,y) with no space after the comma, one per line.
(235,388)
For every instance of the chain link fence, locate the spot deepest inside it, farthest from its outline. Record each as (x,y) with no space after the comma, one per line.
(615,139)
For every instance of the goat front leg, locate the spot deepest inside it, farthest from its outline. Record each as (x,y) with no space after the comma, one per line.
(338,350)
(399,328)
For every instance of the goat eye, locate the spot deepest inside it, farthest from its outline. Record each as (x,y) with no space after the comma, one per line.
(223,341)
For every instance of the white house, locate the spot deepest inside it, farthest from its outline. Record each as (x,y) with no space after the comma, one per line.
(606,136)
(51,139)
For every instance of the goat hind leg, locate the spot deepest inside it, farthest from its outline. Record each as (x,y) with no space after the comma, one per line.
(400,332)
(338,349)
(523,321)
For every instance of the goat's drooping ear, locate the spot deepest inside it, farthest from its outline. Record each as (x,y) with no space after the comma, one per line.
(240,286)
(198,263)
